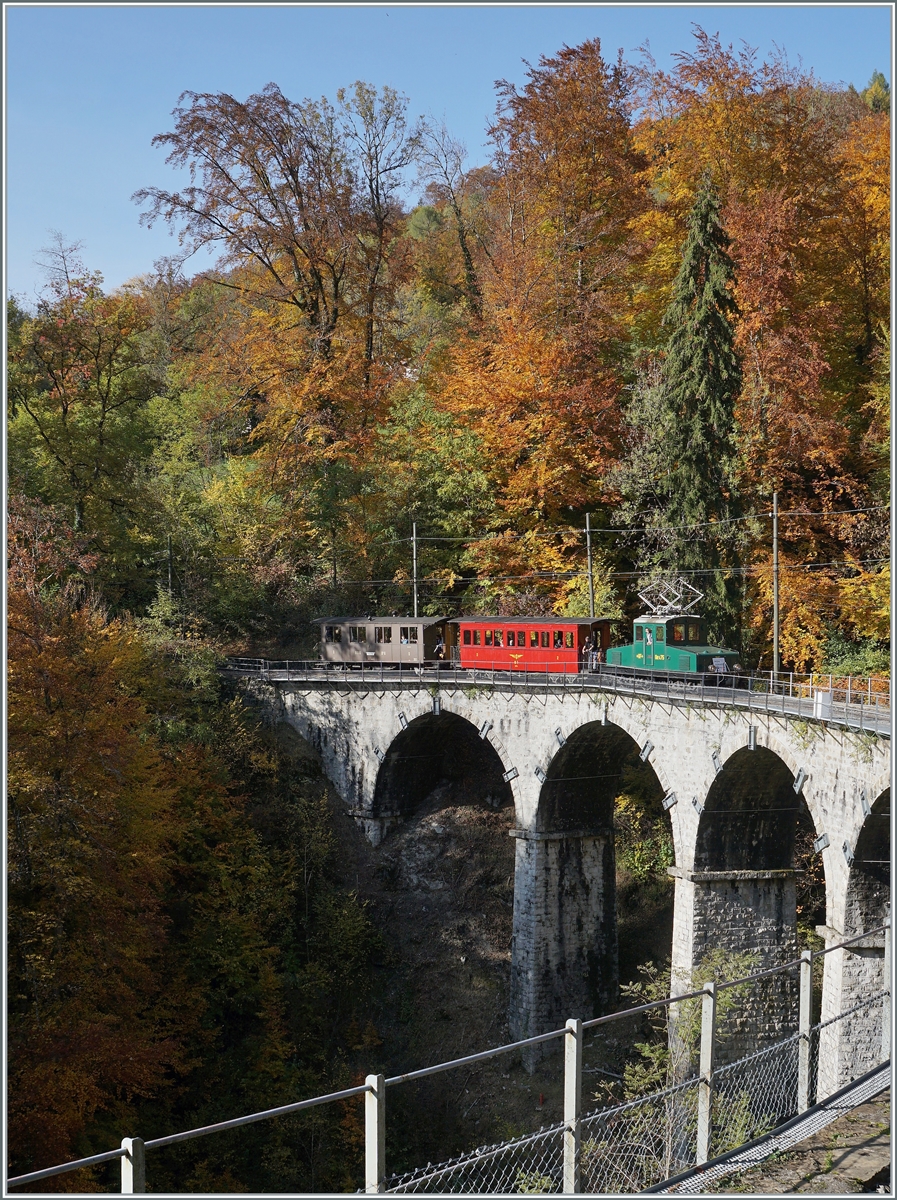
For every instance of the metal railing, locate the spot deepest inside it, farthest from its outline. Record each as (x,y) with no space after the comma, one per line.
(860,703)
(661,1132)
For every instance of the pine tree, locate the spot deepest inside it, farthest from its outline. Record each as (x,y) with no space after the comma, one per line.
(680,478)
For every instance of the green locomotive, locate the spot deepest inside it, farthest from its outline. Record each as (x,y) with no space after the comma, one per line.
(671,637)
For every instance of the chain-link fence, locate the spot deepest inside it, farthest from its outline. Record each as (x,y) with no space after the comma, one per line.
(677,1102)
(714,1102)
(624,1149)
(528,1165)
(865,1020)
(753,1096)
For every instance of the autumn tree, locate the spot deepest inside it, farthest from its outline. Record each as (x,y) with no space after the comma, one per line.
(91,1026)
(158,914)
(269,185)
(442,166)
(566,189)
(381,148)
(758,127)
(877,94)
(78,396)
(302,194)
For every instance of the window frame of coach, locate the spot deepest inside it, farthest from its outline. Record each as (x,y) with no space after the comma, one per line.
(394,640)
(549,643)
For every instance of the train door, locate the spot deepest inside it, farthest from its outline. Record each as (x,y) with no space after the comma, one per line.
(649,646)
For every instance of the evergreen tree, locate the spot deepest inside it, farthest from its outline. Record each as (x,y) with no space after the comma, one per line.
(679,477)
(877,93)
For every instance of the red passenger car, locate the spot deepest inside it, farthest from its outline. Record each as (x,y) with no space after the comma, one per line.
(526,643)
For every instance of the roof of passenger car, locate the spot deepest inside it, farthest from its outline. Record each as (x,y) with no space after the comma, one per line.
(400,620)
(527,620)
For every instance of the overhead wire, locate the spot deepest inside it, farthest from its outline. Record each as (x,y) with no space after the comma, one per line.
(568,530)
(561,575)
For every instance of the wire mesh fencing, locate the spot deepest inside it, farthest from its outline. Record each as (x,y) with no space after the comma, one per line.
(527,1166)
(707,1100)
(859,1027)
(666,1105)
(627,1148)
(753,1096)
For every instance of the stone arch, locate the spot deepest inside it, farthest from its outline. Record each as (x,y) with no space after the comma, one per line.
(742,894)
(784,749)
(858,973)
(565,959)
(621,718)
(750,815)
(868,886)
(437,748)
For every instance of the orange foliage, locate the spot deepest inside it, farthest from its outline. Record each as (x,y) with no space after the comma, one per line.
(547,434)
(90,1024)
(566,190)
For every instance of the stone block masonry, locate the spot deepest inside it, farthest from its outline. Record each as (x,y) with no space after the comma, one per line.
(713,763)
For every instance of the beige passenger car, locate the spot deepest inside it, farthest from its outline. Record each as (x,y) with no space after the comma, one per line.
(393,640)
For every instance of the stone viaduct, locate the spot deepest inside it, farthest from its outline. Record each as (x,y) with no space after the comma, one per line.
(739,787)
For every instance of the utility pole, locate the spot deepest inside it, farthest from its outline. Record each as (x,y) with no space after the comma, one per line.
(591,576)
(414,561)
(775,583)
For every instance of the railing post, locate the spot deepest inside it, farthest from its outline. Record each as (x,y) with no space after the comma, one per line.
(133,1167)
(572,1105)
(705,1084)
(886,1000)
(375,1133)
(805,1020)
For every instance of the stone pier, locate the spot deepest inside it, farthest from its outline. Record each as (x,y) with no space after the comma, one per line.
(740,788)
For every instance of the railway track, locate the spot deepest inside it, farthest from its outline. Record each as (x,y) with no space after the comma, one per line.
(857,708)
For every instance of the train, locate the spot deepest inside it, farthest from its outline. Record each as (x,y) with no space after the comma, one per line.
(670,638)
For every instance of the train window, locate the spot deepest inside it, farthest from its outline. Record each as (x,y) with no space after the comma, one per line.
(558,639)
(383,634)
(694,631)
(521,637)
(357,633)
(546,639)
(511,639)
(638,633)
(534,637)
(498,637)
(333,633)
(679,631)
(660,632)
(476,637)
(568,639)
(466,637)
(412,635)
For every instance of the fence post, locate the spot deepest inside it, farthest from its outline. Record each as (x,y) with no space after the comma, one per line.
(886,1000)
(133,1167)
(572,1105)
(805,1020)
(705,1085)
(375,1133)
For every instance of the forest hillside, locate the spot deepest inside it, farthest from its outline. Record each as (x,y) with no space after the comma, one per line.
(662,299)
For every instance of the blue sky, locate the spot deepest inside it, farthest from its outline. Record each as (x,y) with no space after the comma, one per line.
(87,87)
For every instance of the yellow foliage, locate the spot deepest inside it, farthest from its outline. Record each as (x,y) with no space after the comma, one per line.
(866,603)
